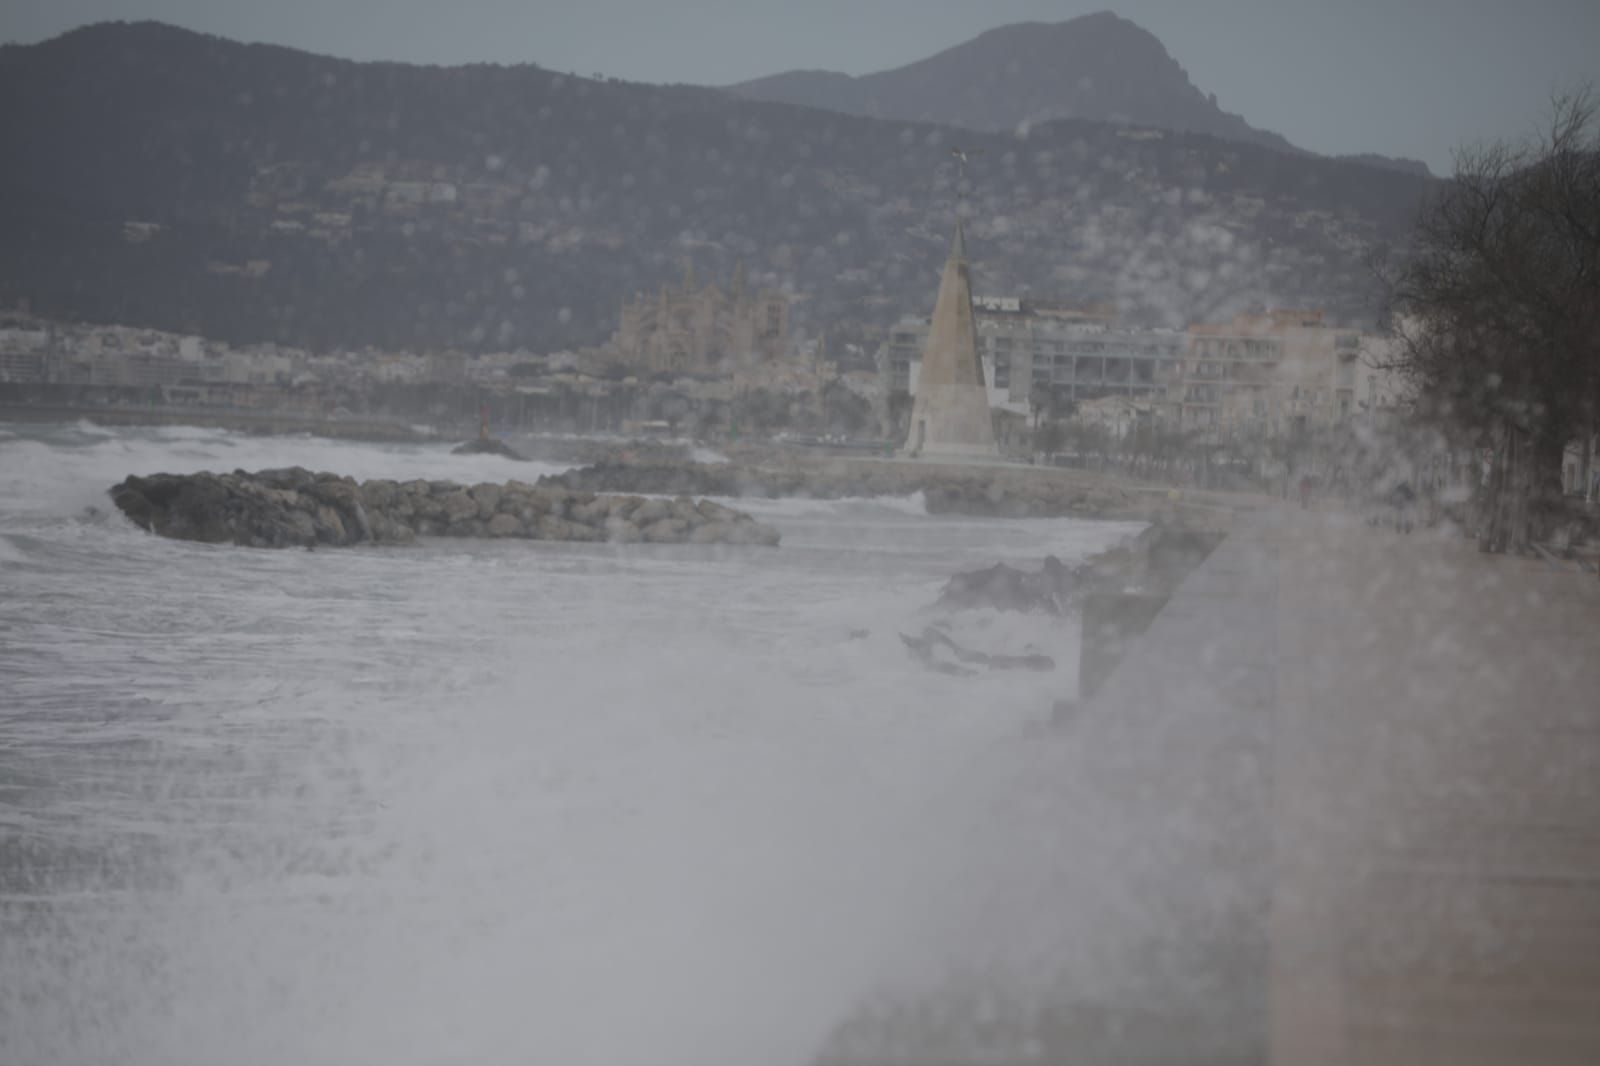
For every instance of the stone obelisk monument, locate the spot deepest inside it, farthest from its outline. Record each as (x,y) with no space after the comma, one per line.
(950,418)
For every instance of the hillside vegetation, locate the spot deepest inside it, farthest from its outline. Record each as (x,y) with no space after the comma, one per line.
(161,177)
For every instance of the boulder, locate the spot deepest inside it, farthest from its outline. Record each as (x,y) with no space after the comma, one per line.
(666,531)
(1006,588)
(650,512)
(621,531)
(390,530)
(711,533)
(296,478)
(552,527)
(428,506)
(305,529)
(504,525)
(715,512)
(531,503)
(685,511)
(514,498)
(458,506)
(552,501)
(591,510)
(344,498)
(622,506)
(487,497)
(329,526)
(380,494)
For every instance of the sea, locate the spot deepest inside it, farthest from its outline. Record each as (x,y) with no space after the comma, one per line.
(474,802)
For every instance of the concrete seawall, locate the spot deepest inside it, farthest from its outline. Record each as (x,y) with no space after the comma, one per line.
(1370,765)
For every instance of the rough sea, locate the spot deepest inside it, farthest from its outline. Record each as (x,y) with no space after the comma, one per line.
(479,802)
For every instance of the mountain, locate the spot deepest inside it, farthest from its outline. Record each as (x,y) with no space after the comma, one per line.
(159,177)
(1401,163)
(1099,67)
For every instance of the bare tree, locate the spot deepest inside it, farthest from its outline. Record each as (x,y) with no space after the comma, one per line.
(1498,313)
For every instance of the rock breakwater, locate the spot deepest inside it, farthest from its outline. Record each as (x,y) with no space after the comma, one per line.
(1153,563)
(488,446)
(295,507)
(987,491)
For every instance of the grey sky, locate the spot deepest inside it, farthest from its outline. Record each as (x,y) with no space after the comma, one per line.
(1403,77)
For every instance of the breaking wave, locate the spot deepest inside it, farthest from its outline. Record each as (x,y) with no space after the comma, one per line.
(477,801)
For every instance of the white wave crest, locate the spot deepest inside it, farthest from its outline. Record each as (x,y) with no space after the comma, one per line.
(61,470)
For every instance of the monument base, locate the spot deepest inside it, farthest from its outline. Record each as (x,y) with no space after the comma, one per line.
(954,452)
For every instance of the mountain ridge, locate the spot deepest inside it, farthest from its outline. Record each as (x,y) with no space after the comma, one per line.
(1100,67)
(254,192)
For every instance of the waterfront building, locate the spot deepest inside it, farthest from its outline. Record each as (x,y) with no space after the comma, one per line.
(702,330)
(1279,374)
(1274,374)
(1075,355)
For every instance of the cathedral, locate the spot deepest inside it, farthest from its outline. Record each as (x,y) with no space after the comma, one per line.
(709,330)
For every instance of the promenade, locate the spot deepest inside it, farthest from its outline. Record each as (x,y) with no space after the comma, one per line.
(1368,765)
(1436,802)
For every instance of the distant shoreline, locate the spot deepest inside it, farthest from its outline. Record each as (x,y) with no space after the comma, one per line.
(799,470)
(266,423)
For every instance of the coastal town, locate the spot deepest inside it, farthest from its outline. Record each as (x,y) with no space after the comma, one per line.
(713,360)
(835,535)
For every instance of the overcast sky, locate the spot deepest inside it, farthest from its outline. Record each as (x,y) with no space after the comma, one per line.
(1411,78)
